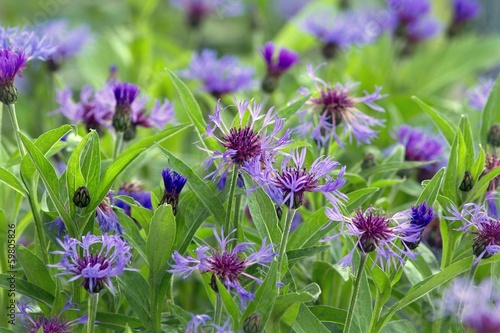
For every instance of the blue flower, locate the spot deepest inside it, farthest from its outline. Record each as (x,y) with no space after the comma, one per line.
(125,94)
(106,217)
(196,321)
(197,10)
(96,259)
(465,10)
(419,217)
(27,41)
(408,11)
(173,184)
(478,95)
(276,66)
(136,192)
(11,64)
(422,29)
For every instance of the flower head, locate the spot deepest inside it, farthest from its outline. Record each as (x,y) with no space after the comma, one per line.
(173,183)
(27,41)
(477,306)
(106,216)
(136,192)
(276,66)
(492,161)
(227,327)
(419,217)
(249,139)
(478,95)
(36,322)
(196,321)
(227,265)
(96,259)
(219,76)
(334,106)
(288,185)
(465,10)
(408,11)
(125,94)
(197,10)
(422,29)
(11,64)
(158,117)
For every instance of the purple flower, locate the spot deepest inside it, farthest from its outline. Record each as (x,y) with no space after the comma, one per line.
(27,41)
(477,307)
(97,265)
(276,66)
(66,41)
(419,217)
(125,94)
(59,224)
(173,183)
(288,8)
(492,161)
(465,10)
(334,106)
(420,147)
(409,11)
(136,192)
(11,64)
(196,321)
(37,322)
(225,328)
(95,108)
(374,233)
(197,10)
(478,95)
(352,28)
(219,76)
(106,217)
(227,265)
(249,139)
(160,115)
(482,222)
(422,29)
(288,185)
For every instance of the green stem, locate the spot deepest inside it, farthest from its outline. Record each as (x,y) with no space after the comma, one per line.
(38,220)
(237,208)
(395,272)
(377,309)
(155,310)
(284,239)
(1,121)
(12,112)
(218,310)
(355,291)
(118,145)
(234,180)
(92,310)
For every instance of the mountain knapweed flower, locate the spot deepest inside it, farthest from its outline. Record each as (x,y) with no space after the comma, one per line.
(95,108)
(334,106)
(160,115)
(12,62)
(478,95)
(408,11)
(227,327)
(419,217)
(197,10)
(492,161)
(136,192)
(66,41)
(106,216)
(173,184)
(227,265)
(245,141)
(26,40)
(374,233)
(196,321)
(81,198)
(219,76)
(422,29)
(125,94)
(96,259)
(339,31)
(288,185)
(477,307)
(34,323)
(420,147)
(463,11)
(276,66)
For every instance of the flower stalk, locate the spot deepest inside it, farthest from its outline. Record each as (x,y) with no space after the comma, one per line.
(92,311)
(355,292)
(290,213)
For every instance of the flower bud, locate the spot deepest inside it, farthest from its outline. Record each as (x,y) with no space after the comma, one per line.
(330,50)
(493,136)
(252,324)
(8,93)
(467,183)
(270,83)
(121,119)
(81,198)
(368,161)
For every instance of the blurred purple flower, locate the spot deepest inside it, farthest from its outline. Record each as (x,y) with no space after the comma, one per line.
(227,327)
(422,29)
(288,8)
(173,183)
(478,95)
(288,185)
(27,41)
(107,258)
(249,139)
(196,321)
(276,66)
(160,115)
(227,265)
(136,192)
(11,64)
(465,10)
(333,106)
(34,323)
(408,11)
(219,76)
(197,10)
(492,161)
(125,94)
(59,224)
(106,216)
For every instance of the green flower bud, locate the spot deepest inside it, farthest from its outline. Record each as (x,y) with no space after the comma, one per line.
(81,198)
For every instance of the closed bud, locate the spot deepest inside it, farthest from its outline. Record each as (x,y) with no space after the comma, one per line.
(368,161)
(330,50)
(252,324)
(121,120)
(129,133)
(493,136)
(8,93)
(467,183)
(270,83)
(279,211)
(81,198)
(479,246)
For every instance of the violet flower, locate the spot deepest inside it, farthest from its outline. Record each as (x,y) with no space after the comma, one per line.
(106,217)
(333,106)
(160,115)
(197,10)
(227,327)
(219,76)
(248,139)
(34,322)
(422,29)
(196,322)
(173,184)
(11,64)
(419,217)
(288,185)
(465,10)
(96,259)
(136,192)
(276,66)
(27,41)
(125,94)
(408,11)
(478,95)
(227,265)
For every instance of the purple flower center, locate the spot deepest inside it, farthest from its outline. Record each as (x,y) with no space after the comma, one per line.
(297,181)
(373,228)
(488,234)
(226,266)
(94,263)
(244,142)
(49,325)
(334,102)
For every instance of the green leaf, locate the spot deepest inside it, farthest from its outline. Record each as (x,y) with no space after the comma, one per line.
(360,319)
(491,116)
(478,166)
(358,197)
(284,302)
(444,125)
(481,186)
(329,314)
(117,321)
(305,252)
(392,166)
(132,235)
(398,326)
(309,231)
(91,167)
(191,214)
(450,188)
(131,282)
(292,109)
(431,191)
(35,270)
(10,180)
(26,288)
(264,216)
(198,186)
(466,131)
(306,322)
(228,302)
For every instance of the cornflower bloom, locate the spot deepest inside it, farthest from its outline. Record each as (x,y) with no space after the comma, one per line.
(478,95)
(173,184)
(249,140)
(276,66)
(136,192)
(219,76)
(422,29)
(66,41)
(159,116)
(11,64)
(482,222)
(27,41)
(107,258)
(34,323)
(346,29)
(408,11)
(227,327)
(477,306)
(106,216)
(419,217)
(420,147)
(227,265)
(492,161)
(333,106)
(288,185)
(196,321)
(197,10)
(374,233)
(463,11)
(125,94)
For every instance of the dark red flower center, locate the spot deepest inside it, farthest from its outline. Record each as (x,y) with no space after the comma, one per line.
(245,143)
